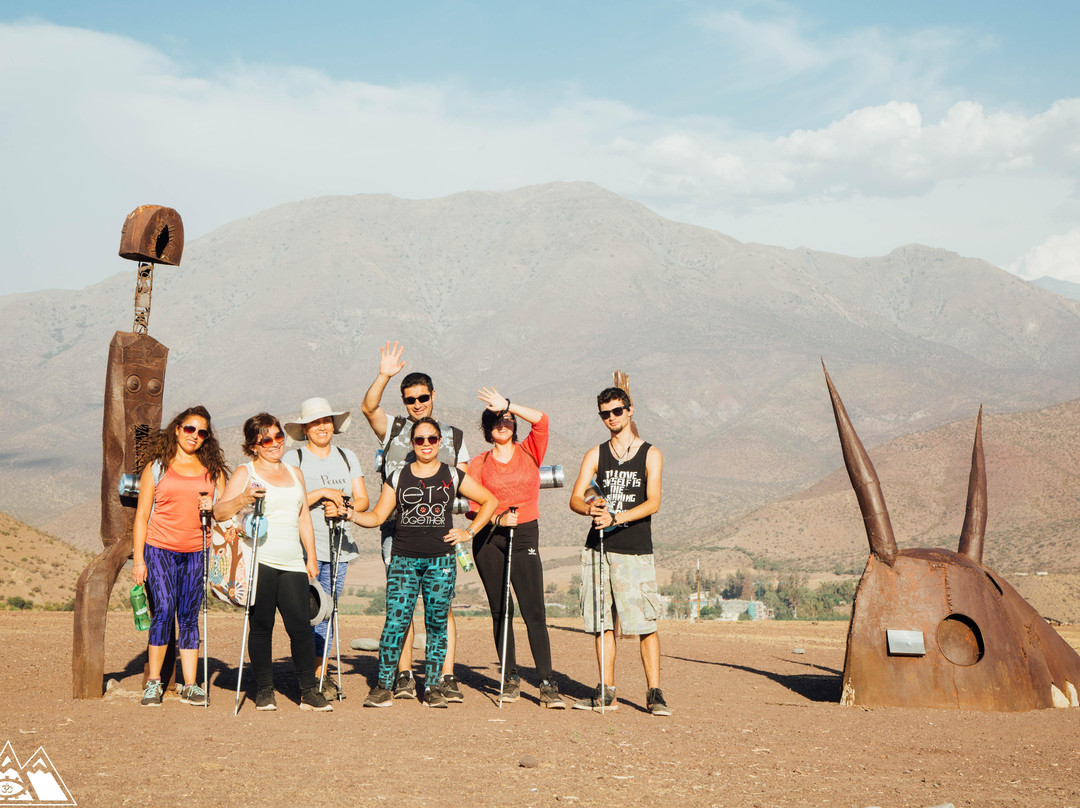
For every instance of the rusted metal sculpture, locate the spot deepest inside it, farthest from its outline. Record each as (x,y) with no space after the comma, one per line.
(622,381)
(134,384)
(934,628)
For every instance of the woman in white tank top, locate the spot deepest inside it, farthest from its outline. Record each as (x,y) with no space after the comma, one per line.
(286,559)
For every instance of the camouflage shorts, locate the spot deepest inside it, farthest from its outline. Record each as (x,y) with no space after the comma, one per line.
(630,594)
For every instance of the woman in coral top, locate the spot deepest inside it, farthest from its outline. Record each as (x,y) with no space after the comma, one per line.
(511,471)
(184,469)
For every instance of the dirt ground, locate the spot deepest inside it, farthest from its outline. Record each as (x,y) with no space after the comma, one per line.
(754,724)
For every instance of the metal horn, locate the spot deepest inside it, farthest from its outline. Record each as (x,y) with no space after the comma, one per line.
(865,482)
(971,537)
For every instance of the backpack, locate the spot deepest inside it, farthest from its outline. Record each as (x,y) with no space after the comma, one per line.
(300,458)
(231,552)
(395,430)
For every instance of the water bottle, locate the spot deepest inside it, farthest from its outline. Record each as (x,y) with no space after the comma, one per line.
(139,608)
(463,557)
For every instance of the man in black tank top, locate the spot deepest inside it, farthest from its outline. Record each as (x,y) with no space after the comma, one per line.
(626,471)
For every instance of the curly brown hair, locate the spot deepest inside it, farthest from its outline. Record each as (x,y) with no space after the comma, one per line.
(209,454)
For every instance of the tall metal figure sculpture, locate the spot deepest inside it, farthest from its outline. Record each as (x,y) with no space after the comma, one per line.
(934,628)
(134,384)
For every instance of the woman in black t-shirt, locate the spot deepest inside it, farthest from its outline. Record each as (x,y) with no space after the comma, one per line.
(422,558)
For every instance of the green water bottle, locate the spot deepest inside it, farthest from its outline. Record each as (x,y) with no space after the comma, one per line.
(139,607)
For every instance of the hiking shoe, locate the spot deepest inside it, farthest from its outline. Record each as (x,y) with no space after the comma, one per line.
(379,696)
(654,702)
(193,694)
(593,701)
(312,699)
(451,690)
(151,696)
(511,688)
(265,700)
(549,695)
(329,688)
(404,686)
(434,697)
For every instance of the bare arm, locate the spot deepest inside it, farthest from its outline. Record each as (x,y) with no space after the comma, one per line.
(390,364)
(581,484)
(237,494)
(488,505)
(382,510)
(142,519)
(307,535)
(497,402)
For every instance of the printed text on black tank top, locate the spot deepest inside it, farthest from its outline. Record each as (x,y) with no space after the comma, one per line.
(425,505)
(622,488)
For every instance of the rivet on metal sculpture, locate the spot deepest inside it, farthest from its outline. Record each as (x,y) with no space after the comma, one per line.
(134,384)
(934,628)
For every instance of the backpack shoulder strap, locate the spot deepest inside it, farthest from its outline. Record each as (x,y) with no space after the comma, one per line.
(299,457)
(345,457)
(459,438)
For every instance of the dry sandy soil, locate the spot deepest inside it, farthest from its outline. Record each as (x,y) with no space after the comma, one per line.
(754,725)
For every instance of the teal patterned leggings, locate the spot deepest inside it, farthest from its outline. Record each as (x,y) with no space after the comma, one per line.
(407,578)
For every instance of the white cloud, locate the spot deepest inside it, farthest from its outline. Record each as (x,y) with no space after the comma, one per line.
(94,124)
(1058,257)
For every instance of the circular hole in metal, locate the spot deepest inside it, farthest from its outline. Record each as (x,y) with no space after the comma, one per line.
(161,244)
(960,640)
(133,383)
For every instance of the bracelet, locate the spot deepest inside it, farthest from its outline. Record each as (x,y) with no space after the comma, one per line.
(469,530)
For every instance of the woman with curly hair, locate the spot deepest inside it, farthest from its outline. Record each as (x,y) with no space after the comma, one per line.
(184,469)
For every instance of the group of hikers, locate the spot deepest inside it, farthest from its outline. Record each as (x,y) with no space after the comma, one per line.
(425,466)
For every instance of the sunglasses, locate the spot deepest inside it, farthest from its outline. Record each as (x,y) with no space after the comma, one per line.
(191,429)
(614,412)
(420,440)
(505,423)
(269,440)
(424,399)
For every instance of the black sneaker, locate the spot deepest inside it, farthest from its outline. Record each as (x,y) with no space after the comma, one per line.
(451,690)
(593,701)
(379,696)
(151,695)
(549,695)
(404,685)
(654,702)
(434,697)
(264,699)
(312,699)
(511,688)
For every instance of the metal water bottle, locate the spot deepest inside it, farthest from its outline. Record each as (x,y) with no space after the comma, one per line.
(463,557)
(140,608)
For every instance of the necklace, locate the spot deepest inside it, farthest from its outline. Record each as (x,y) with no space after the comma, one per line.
(621,457)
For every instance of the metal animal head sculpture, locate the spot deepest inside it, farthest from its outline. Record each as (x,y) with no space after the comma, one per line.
(934,628)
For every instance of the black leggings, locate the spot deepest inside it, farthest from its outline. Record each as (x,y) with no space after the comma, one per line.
(286,592)
(527,578)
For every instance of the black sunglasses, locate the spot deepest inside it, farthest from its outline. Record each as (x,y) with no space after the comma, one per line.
(413,399)
(613,412)
(190,429)
(420,440)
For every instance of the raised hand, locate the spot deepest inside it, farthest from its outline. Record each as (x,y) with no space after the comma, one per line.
(390,361)
(494,401)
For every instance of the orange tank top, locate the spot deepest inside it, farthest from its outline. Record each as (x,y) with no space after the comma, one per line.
(174,523)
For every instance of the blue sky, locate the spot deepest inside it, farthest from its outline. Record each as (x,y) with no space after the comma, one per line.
(848,127)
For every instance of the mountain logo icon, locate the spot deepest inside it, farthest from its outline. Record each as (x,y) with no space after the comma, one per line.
(35,782)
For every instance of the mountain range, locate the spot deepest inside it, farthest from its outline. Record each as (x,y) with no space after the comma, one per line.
(541,292)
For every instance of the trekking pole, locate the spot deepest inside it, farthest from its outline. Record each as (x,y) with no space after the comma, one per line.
(506,611)
(337,535)
(204,517)
(256,524)
(603,616)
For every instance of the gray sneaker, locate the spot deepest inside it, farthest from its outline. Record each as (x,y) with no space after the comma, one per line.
(404,685)
(450,688)
(593,701)
(193,694)
(549,695)
(329,688)
(511,688)
(654,702)
(379,696)
(151,696)
(434,697)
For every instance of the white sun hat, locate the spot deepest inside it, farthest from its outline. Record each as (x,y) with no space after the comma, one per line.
(312,410)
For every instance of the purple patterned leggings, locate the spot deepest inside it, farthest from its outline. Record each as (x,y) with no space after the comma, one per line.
(175,583)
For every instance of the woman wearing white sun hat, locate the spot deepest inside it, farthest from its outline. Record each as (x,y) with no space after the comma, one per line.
(331,473)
